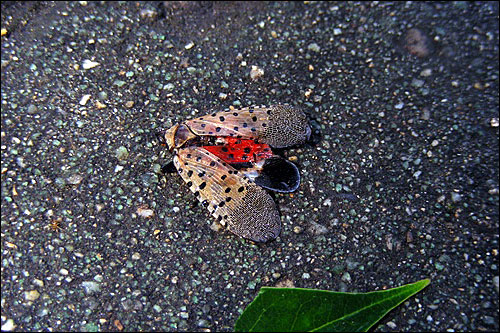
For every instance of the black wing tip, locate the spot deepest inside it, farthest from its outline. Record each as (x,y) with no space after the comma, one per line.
(279,175)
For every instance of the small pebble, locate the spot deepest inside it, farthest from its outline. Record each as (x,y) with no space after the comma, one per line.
(313,47)
(399,106)
(100,105)
(391,325)
(489,320)
(145,212)
(417,83)
(297,229)
(455,197)
(9,325)
(88,64)
(426,72)
(31,295)
(39,283)
(91,287)
(122,153)
(74,179)
(32,109)
(84,99)
(147,13)
(256,72)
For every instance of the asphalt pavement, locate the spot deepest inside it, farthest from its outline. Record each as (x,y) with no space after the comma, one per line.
(398,183)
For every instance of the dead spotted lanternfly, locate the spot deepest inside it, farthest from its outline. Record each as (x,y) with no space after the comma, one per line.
(226,160)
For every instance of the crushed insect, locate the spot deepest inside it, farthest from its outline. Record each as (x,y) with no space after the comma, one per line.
(226,160)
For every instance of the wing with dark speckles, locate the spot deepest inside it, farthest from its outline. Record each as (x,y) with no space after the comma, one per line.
(243,207)
(278,126)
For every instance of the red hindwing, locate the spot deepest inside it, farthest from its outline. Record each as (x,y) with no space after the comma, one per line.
(240,150)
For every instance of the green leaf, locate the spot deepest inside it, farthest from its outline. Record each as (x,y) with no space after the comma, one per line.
(299,309)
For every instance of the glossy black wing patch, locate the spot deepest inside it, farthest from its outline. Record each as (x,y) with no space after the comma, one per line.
(277,174)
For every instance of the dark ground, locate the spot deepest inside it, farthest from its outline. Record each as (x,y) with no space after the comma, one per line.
(403,97)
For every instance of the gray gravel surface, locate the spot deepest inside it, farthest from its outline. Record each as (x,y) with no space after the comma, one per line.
(399,184)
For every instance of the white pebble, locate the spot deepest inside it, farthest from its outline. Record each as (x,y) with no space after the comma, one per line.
(145,212)
(31,295)
(426,72)
(88,64)
(84,99)
(38,282)
(399,106)
(314,47)
(391,325)
(9,325)
(256,72)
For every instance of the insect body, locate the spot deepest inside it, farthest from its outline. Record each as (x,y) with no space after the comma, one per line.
(226,159)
